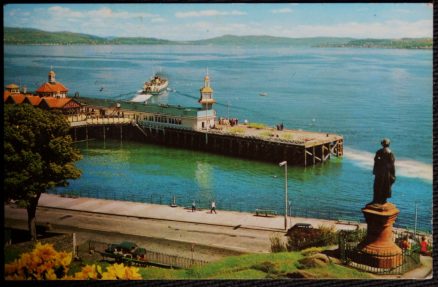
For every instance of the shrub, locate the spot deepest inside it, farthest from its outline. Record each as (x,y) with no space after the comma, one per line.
(357,235)
(311,251)
(277,244)
(302,238)
(328,235)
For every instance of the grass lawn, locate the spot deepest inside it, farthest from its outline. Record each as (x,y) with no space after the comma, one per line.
(252,266)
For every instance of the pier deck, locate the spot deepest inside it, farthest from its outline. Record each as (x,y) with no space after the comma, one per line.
(249,140)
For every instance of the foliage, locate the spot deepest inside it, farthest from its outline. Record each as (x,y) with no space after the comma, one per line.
(256,125)
(406,43)
(277,244)
(45,263)
(312,250)
(38,155)
(302,238)
(237,130)
(357,235)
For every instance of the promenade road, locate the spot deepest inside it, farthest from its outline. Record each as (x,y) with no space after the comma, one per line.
(170,230)
(180,214)
(159,227)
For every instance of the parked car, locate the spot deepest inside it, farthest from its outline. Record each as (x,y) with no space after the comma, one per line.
(301,226)
(127,249)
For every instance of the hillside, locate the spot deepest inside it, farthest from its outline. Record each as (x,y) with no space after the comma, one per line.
(28,36)
(405,43)
(271,40)
(35,36)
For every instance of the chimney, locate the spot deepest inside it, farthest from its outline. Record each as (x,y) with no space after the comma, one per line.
(24,89)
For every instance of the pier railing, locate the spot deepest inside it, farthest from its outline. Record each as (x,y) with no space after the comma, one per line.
(81,120)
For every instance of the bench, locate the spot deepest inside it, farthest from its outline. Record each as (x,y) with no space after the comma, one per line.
(265,212)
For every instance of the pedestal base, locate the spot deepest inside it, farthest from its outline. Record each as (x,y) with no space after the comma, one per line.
(378,249)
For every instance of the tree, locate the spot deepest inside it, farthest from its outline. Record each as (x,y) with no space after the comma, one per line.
(38,155)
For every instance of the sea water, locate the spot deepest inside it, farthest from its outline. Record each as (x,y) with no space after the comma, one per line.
(362,94)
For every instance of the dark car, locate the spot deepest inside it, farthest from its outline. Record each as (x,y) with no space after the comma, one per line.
(123,248)
(300,226)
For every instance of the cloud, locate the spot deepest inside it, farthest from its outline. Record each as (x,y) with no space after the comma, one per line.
(388,29)
(64,12)
(208,13)
(282,11)
(102,13)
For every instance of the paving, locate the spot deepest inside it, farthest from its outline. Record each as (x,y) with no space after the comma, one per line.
(182,214)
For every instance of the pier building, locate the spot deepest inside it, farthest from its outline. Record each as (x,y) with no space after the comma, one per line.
(52,88)
(51,95)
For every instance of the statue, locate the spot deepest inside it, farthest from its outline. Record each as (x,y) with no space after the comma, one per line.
(384,172)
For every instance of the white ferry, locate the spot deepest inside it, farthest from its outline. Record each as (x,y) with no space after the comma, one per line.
(155,86)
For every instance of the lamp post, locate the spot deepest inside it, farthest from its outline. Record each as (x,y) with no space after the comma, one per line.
(284,163)
(415,224)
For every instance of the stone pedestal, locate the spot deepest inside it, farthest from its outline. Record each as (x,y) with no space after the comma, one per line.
(379,249)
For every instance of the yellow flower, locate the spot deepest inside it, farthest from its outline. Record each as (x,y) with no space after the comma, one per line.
(131,273)
(65,259)
(87,272)
(50,275)
(44,251)
(119,271)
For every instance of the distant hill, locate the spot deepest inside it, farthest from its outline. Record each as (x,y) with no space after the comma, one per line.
(404,43)
(28,36)
(35,36)
(271,40)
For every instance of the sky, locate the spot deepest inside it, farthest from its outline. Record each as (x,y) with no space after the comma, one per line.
(203,21)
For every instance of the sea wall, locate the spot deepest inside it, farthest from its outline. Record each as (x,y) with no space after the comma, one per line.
(250,148)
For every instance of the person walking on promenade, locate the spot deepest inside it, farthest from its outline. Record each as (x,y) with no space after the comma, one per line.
(193,206)
(213,207)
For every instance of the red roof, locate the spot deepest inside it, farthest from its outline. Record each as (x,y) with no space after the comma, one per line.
(55,102)
(52,88)
(33,100)
(17,98)
(6,95)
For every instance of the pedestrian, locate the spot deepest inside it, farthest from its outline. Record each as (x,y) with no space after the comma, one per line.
(405,244)
(193,206)
(423,247)
(213,207)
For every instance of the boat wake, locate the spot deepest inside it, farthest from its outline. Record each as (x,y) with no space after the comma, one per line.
(140,97)
(404,167)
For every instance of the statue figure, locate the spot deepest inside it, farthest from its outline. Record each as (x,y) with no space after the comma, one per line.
(384,172)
